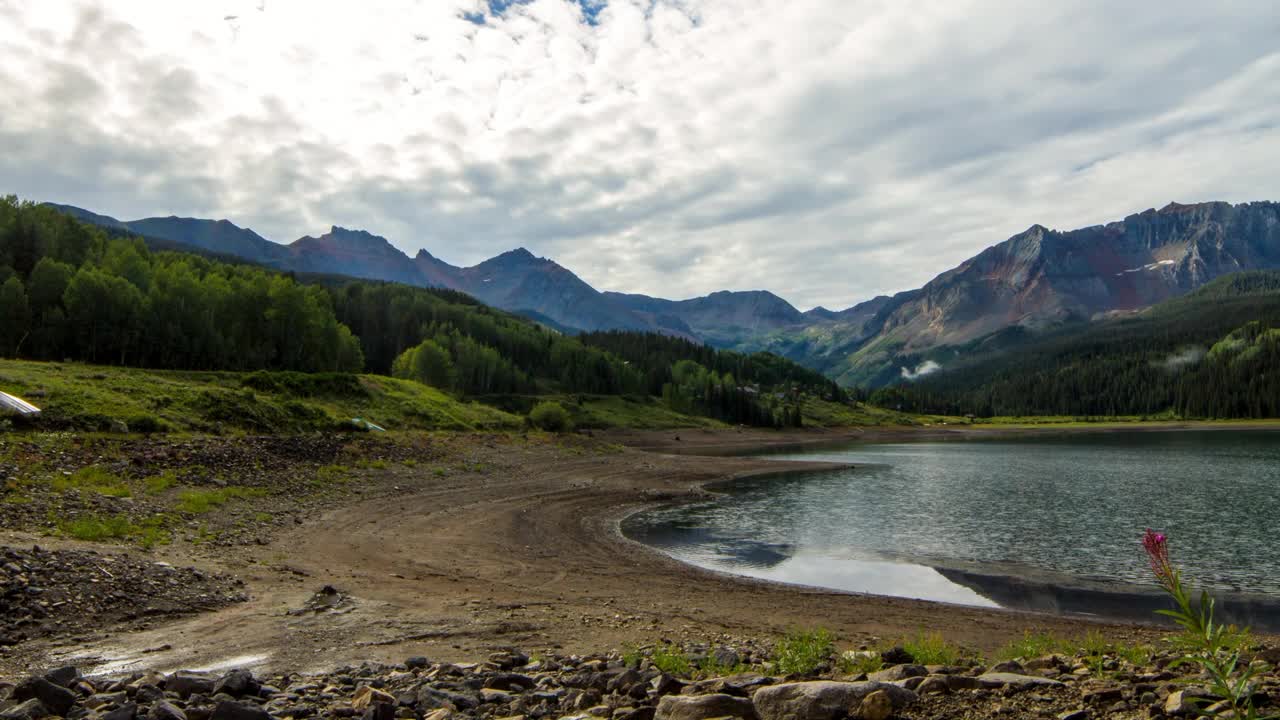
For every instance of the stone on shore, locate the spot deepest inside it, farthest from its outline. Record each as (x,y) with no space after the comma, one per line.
(824,700)
(704,707)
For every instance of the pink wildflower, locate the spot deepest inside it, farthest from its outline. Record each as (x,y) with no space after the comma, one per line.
(1157,548)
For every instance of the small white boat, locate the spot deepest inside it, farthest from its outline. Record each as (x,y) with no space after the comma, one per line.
(11,405)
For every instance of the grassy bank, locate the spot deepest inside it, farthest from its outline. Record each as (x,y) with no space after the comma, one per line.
(77,396)
(91,397)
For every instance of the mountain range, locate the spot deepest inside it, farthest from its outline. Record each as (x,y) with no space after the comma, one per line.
(1037,279)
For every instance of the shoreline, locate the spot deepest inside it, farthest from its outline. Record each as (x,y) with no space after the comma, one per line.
(1034,592)
(526,552)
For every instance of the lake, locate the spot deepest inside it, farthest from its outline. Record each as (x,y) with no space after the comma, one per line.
(1043,522)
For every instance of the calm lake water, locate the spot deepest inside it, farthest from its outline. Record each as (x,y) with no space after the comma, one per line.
(924,519)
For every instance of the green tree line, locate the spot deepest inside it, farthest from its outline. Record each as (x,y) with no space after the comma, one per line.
(1212,354)
(67,290)
(70,290)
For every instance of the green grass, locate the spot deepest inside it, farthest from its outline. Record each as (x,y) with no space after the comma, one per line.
(672,660)
(803,652)
(95,479)
(608,411)
(823,413)
(1093,647)
(1032,645)
(88,397)
(329,474)
(157,484)
(933,649)
(95,528)
(196,502)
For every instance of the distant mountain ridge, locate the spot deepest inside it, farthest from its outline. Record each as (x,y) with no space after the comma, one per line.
(1039,278)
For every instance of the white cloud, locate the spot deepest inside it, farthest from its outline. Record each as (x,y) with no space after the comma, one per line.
(928,367)
(827,150)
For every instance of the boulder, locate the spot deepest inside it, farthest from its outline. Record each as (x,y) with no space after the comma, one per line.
(31,709)
(875,706)
(898,672)
(704,707)
(231,710)
(64,676)
(366,696)
(165,710)
(127,711)
(185,684)
(822,699)
(57,699)
(237,684)
(933,684)
(1015,681)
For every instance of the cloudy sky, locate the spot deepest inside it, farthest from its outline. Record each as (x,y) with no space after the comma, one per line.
(827,150)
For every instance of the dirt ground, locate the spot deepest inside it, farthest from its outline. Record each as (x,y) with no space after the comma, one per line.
(524,552)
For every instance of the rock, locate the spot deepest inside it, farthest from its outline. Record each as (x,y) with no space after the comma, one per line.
(1050,662)
(963,682)
(119,427)
(1015,681)
(932,684)
(440,714)
(379,711)
(430,698)
(232,710)
(185,684)
(1008,666)
(896,655)
(822,699)
(509,659)
(666,684)
(237,684)
(115,699)
(726,657)
(704,707)
(165,710)
(366,696)
(1180,702)
(1074,715)
(57,699)
(64,676)
(1102,695)
(31,709)
(898,672)
(494,696)
(876,706)
(417,661)
(127,711)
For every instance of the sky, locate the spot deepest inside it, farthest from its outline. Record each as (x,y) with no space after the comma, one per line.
(826,150)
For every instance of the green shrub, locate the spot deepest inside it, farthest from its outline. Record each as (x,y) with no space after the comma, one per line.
(933,649)
(306,385)
(803,652)
(671,659)
(550,416)
(146,424)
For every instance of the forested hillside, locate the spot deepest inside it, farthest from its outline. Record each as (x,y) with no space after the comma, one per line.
(69,290)
(727,385)
(1214,353)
